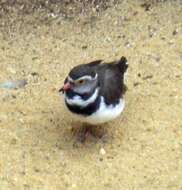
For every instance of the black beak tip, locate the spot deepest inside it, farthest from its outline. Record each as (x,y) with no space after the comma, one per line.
(61,90)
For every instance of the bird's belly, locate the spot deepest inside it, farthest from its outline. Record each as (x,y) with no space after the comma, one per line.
(105,113)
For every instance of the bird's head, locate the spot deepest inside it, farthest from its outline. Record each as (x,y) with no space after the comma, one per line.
(81,80)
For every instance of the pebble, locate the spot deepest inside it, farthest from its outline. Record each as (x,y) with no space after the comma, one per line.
(102,151)
(13,84)
(147,77)
(175,32)
(128,44)
(11,70)
(3,117)
(84,47)
(136,83)
(74,185)
(35,74)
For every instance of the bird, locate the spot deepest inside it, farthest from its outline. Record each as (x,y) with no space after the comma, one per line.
(94,92)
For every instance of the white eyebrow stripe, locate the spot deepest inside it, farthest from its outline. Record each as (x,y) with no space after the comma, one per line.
(82,78)
(85,77)
(70,79)
(77,100)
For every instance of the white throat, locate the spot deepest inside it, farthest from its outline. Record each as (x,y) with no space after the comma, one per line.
(78,101)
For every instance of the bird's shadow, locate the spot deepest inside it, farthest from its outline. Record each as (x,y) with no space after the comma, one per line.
(83,134)
(89,132)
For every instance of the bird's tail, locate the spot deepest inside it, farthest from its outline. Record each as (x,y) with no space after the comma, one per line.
(122,64)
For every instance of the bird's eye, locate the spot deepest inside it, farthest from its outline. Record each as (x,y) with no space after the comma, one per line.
(80,81)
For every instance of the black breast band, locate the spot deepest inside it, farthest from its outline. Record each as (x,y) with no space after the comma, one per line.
(86,111)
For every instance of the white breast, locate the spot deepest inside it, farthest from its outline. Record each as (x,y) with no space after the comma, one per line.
(106,113)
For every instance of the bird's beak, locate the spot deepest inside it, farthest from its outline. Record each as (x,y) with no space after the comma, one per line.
(65,88)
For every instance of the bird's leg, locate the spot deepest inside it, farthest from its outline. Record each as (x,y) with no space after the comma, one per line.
(84,132)
(87,129)
(97,131)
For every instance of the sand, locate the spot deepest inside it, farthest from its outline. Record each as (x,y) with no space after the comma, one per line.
(142,149)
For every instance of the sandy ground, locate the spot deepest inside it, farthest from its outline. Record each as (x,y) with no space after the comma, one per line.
(142,150)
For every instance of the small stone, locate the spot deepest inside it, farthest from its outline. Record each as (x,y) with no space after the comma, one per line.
(175,32)
(34,74)
(128,44)
(34,58)
(3,117)
(102,151)
(11,70)
(26,186)
(135,13)
(36,170)
(136,83)
(139,75)
(14,84)
(108,39)
(147,77)
(73,185)
(116,23)
(84,47)
(21,120)
(146,6)
(13,141)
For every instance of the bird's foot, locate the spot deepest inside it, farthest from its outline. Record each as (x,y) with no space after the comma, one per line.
(96,132)
(87,130)
(83,133)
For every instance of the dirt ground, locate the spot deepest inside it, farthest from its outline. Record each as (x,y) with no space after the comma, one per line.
(141,150)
